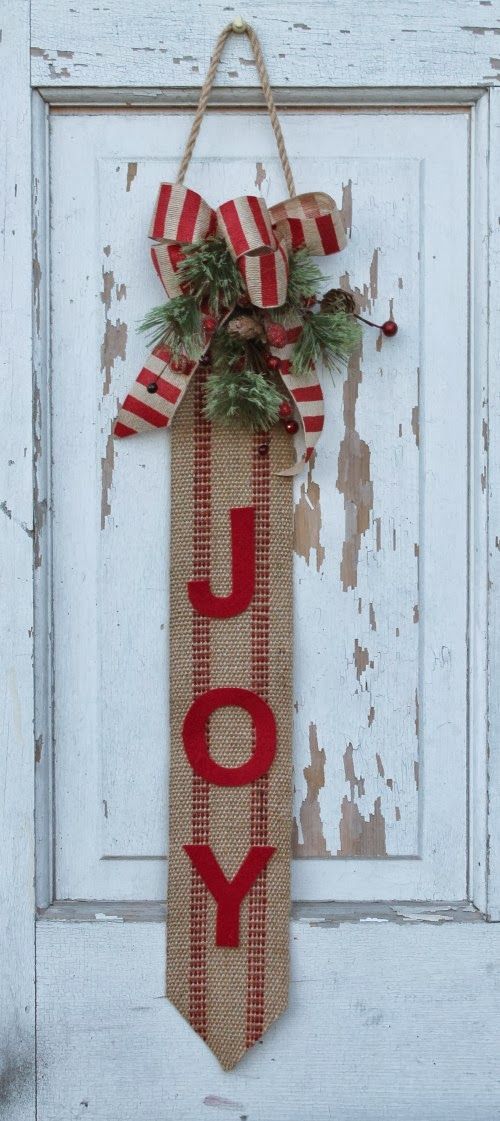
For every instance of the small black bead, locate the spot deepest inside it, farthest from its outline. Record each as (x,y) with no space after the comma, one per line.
(205,360)
(152,387)
(263,449)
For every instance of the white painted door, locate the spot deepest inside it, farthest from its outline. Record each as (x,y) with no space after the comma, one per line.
(393,998)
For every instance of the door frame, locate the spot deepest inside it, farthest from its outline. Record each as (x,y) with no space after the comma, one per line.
(462,72)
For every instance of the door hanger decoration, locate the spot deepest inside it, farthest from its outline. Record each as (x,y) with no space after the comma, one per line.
(234,360)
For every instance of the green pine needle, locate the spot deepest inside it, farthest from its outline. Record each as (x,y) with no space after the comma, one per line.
(211,274)
(176,324)
(304,278)
(247,399)
(327,338)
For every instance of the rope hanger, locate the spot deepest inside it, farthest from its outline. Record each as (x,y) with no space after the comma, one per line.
(237,27)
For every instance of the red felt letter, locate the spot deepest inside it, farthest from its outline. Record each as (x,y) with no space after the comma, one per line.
(195,741)
(242,568)
(229,894)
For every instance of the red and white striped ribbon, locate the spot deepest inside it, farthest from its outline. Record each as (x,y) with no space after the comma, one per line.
(259,239)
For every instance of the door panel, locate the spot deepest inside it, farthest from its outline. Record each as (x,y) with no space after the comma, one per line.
(380,518)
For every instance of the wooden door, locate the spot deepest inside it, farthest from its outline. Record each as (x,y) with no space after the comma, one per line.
(395,818)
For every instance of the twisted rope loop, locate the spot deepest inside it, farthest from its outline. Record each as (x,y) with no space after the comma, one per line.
(268,96)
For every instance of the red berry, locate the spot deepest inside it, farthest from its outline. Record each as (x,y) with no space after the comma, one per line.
(389,328)
(272,362)
(209,323)
(291,427)
(276,335)
(285,410)
(180,365)
(244,300)
(309,301)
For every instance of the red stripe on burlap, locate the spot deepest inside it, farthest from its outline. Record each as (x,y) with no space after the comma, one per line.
(308,393)
(268,280)
(138,408)
(121,429)
(164,388)
(158,226)
(313,423)
(188,216)
(254,205)
(234,228)
(257,915)
(198,1011)
(326,230)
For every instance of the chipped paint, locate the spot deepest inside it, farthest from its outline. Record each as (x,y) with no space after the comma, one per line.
(361,658)
(415,424)
(217,1102)
(107,467)
(131,173)
(361,836)
(38,748)
(314,843)
(346,207)
(371,716)
(357,785)
(114,343)
(307,520)
(260,174)
(371,615)
(353,479)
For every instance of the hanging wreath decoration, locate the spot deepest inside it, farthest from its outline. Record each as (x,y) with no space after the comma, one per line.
(237,345)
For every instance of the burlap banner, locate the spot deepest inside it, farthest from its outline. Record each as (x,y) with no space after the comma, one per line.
(231,636)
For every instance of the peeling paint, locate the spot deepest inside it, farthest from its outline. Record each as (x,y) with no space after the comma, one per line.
(107,467)
(131,173)
(371,716)
(380,766)
(307,520)
(346,207)
(415,424)
(371,614)
(222,1103)
(114,343)
(38,748)
(361,658)
(314,843)
(361,836)
(260,174)
(353,479)
(357,785)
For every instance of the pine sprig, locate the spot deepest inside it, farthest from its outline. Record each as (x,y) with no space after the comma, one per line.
(327,338)
(211,274)
(177,324)
(246,399)
(304,279)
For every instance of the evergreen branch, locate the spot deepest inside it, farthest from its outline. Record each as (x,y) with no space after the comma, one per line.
(327,338)
(247,399)
(177,324)
(211,274)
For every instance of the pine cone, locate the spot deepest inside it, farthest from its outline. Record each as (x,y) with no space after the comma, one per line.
(245,327)
(338,300)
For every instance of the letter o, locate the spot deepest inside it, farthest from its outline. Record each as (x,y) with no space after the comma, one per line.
(195,740)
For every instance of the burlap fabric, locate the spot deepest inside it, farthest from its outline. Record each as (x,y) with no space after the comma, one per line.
(229,995)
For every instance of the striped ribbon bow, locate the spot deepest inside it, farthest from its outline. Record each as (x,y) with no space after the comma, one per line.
(259,240)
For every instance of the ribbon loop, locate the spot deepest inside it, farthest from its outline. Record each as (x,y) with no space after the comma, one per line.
(259,240)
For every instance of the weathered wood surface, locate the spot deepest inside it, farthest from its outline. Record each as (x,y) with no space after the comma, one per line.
(386,1020)
(492,485)
(384,502)
(367,44)
(17,1003)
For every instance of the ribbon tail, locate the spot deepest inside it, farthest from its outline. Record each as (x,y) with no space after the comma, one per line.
(307,395)
(144,410)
